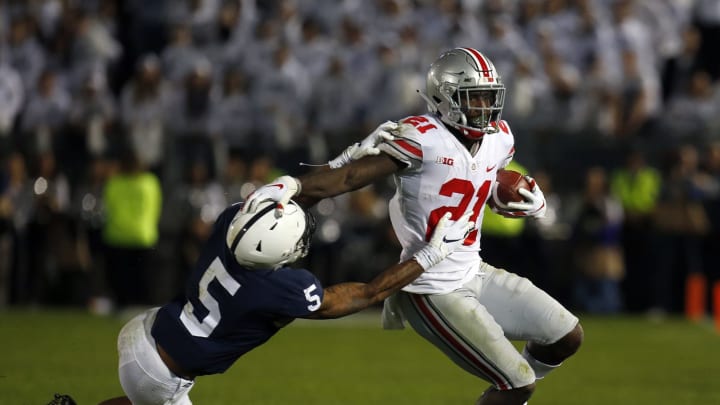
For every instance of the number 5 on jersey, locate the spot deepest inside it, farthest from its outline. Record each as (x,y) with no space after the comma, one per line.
(313,299)
(204,327)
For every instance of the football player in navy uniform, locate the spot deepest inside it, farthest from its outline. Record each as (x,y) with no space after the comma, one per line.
(242,292)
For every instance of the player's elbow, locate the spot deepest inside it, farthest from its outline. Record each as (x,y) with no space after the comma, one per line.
(317,186)
(352,180)
(367,170)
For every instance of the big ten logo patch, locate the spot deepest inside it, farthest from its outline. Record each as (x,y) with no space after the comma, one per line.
(444,160)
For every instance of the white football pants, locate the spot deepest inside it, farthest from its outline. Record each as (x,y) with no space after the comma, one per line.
(144,377)
(474,324)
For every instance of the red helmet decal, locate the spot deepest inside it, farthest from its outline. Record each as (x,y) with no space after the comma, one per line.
(480,61)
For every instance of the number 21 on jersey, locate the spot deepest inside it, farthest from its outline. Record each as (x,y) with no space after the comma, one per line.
(422,124)
(467,190)
(454,186)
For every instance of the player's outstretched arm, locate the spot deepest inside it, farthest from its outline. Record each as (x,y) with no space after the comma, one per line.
(347,298)
(325,183)
(355,175)
(308,189)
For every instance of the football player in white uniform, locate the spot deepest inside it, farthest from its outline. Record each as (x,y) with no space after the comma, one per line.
(446,162)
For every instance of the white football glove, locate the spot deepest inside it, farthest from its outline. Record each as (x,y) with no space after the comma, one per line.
(281,190)
(447,236)
(533,206)
(367,146)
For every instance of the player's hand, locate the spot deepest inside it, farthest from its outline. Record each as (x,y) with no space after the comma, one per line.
(281,190)
(533,206)
(447,236)
(367,146)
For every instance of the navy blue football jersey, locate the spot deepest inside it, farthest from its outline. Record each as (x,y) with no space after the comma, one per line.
(228,309)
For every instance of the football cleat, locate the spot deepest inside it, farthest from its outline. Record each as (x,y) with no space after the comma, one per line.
(62,400)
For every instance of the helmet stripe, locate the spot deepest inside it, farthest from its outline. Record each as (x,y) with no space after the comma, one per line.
(480,60)
(248,224)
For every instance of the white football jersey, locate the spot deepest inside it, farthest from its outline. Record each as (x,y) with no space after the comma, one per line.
(442,176)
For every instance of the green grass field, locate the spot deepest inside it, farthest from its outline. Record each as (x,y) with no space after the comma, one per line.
(625,360)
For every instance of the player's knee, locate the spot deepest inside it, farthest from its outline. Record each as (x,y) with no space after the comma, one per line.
(524,393)
(494,395)
(571,342)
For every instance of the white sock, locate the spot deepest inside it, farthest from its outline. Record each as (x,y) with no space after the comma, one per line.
(541,369)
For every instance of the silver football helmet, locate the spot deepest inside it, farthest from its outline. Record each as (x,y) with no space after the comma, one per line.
(263,240)
(457,77)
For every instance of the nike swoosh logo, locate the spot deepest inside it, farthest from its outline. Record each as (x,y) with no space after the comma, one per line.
(280,186)
(490,168)
(446,240)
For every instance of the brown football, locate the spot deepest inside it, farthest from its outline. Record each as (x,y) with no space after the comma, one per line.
(509,182)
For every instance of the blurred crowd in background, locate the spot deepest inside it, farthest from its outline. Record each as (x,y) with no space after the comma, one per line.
(127,126)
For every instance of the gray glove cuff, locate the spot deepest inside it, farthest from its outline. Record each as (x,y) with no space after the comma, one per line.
(343,158)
